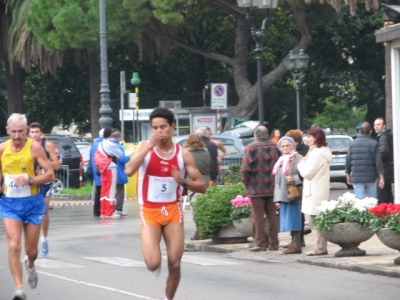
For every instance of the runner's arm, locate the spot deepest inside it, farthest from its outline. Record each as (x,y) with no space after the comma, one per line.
(39,155)
(54,162)
(140,152)
(2,145)
(197,183)
(223,150)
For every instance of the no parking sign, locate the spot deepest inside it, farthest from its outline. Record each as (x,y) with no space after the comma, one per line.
(219,96)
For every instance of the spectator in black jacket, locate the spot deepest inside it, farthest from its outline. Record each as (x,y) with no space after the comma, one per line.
(385,146)
(212,149)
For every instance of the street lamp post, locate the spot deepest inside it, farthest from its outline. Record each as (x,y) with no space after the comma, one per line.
(296,64)
(258,37)
(136,81)
(105,108)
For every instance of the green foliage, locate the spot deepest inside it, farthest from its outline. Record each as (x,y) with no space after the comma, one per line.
(340,115)
(239,213)
(213,209)
(85,190)
(325,221)
(390,221)
(63,24)
(232,175)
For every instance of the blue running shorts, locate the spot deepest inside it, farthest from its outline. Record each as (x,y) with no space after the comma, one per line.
(28,210)
(46,190)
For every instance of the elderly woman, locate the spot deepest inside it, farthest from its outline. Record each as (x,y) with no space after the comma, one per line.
(285,171)
(314,168)
(195,145)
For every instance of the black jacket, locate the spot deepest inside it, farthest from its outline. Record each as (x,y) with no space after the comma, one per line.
(302,149)
(363,160)
(385,146)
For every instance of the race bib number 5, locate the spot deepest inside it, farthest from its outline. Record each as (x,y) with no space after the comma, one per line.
(162,189)
(16,191)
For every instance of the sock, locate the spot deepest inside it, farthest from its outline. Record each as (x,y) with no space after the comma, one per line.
(167,298)
(44,239)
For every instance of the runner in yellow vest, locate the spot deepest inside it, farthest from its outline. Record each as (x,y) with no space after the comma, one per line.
(22,206)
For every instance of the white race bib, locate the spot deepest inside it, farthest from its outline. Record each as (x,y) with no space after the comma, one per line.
(15,191)
(162,189)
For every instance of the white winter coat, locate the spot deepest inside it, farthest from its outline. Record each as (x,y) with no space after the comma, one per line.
(316,184)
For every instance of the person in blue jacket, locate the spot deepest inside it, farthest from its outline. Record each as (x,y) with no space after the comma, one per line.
(96,177)
(122,179)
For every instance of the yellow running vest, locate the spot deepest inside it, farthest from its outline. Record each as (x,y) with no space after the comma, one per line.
(18,163)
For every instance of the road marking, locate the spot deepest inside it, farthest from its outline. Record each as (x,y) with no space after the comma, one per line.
(96,285)
(118,261)
(205,261)
(55,264)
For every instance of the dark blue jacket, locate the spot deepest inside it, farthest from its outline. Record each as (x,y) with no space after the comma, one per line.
(97,179)
(121,176)
(363,160)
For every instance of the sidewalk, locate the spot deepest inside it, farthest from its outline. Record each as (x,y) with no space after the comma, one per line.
(379,259)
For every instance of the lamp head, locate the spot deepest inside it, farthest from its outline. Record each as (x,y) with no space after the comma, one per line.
(135,78)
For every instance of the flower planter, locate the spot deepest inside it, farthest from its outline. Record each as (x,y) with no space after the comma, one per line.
(348,236)
(244,226)
(390,239)
(229,235)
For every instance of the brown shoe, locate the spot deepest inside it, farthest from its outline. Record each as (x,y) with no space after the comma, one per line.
(292,251)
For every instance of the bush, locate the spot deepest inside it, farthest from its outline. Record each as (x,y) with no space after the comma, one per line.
(213,209)
(231,176)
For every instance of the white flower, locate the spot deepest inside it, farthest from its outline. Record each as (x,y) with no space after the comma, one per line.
(365,204)
(347,199)
(328,206)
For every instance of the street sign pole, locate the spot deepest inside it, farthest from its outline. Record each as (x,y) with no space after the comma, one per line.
(123,89)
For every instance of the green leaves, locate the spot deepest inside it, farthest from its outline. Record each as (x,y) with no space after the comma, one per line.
(213,209)
(325,221)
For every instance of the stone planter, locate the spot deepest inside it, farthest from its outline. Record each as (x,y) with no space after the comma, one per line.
(229,235)
(244,226)
(390,239)
(348,236)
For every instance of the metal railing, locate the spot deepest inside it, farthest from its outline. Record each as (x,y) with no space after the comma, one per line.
(61,183)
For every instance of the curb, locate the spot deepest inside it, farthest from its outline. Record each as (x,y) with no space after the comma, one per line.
(208,248)
(350,267)
(67,203)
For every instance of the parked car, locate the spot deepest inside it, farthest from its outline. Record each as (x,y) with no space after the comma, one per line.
(339,145)
(71,158)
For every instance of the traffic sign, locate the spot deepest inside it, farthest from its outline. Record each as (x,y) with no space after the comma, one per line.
(219,96)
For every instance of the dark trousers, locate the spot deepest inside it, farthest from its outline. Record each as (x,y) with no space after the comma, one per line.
(120,195)
(96,202)
(259,206)
(385,195)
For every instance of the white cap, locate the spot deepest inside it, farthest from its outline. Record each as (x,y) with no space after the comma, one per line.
(101,132)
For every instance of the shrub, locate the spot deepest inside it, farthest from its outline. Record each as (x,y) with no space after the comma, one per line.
(213,209)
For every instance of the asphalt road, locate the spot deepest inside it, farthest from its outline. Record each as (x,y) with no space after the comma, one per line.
(92,258)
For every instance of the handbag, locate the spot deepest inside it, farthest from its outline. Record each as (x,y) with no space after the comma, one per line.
(294,191)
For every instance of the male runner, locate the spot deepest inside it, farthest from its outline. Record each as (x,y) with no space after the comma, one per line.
(36,134)
(22,205)
(161,166)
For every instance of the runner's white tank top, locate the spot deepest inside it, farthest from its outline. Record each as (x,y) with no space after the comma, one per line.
(156,187)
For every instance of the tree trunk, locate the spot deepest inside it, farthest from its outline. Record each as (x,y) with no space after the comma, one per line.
(13,70)
(247,93)
(95,81)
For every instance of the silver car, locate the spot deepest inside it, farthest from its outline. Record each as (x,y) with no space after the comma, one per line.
(339,145)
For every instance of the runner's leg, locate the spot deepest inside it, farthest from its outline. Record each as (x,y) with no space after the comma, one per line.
(46,218)
(13,230)
(151,237)
(174,241)
(31,233)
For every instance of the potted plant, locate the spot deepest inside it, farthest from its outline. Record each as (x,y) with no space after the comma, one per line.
(213,210)
(241,215)
(386,224)
(345,222)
